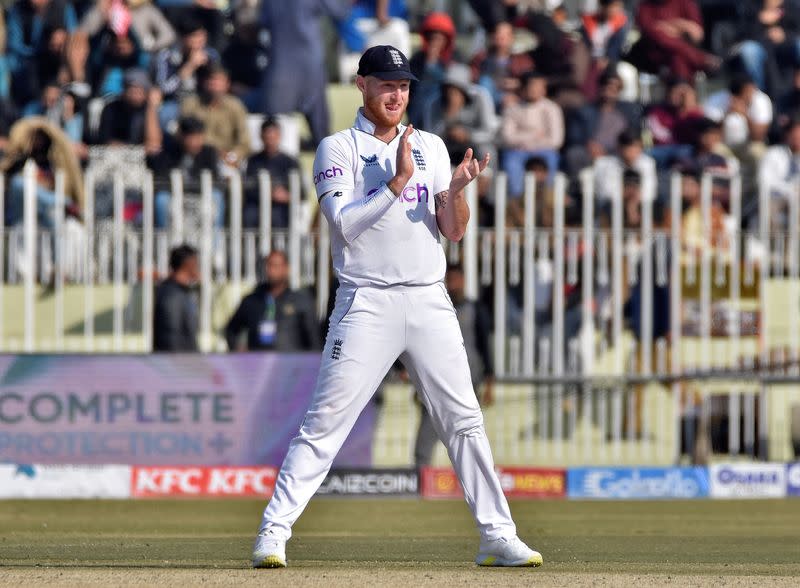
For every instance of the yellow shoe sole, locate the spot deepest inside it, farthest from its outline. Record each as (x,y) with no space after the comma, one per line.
(492,561)
(271,561)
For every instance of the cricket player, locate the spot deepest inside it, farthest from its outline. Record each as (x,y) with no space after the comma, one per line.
(387,191)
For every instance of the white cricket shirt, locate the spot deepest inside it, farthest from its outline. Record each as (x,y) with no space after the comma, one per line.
(402,247)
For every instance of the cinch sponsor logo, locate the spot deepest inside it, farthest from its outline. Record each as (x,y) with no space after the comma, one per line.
(203,481)
(417,193)
(327,174)
(729,476)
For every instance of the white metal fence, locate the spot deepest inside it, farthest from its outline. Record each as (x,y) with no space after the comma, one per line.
(558,297)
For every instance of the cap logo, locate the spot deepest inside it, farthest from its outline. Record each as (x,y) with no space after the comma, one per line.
(396,58)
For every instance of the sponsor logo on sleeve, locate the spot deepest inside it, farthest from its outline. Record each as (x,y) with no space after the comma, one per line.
(149,482)
(637,483)
(327,174)
(748,480)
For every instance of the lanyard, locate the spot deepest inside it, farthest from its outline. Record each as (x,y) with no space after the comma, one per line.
(269,311)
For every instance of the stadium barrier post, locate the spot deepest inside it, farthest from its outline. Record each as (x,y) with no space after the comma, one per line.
(558,343)
(176,207)
(235,184)
(294,229)
(206,252)
(30,232)
(500,275)
(147,261)
(587,304)
(119,263)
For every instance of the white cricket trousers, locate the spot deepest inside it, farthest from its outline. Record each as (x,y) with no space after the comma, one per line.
(370,327)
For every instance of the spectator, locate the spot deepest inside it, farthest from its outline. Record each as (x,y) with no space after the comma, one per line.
(61,107)
(246,57)
(190,155)
(594,130)
(273,316)
(5,86)
(112,54)
(224,115)
(543,215)
(295,78)
(603,32)
(8,115)
(34,138)
(279,165)
(787,106)
(534,127)
(672,31)
(372,23)
(746,114)
(463,115)
(146,20)
(779,172)
(176,68)
(206,12)
(38,35)
(175,312)
(673,123)
(630,158)
(475,322)
(497,69)
(773,42)
(132,119)
(430,64)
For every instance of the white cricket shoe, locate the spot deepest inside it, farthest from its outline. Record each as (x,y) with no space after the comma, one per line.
(269,550)
(507,552)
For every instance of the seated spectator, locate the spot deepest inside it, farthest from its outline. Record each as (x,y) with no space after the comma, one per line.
(175,68)
(603,32)
(746,115)
(279,165)
(38,35)
(274,317)
(34,138)
(113,53)
(673,123)
(132,119)
(544,201)
(779,171)
(224,115)
(594,130)
(208,14)
(532,128)
(189,154)
(497,69)
(787,106)
(463,115)
(146,21)
(672,31)
(176,309)
(772,45)
(61,107)
(430,64)
(630,158)
(246,57)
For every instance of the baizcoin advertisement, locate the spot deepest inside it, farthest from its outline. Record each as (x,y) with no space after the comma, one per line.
(162,409)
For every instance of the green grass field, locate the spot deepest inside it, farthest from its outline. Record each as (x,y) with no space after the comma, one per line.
(399,542)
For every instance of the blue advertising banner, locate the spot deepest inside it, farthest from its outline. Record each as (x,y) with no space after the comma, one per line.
(637,483)
(163,409)
(793,479)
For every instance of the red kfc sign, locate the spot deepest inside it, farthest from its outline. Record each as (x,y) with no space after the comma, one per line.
(149,482)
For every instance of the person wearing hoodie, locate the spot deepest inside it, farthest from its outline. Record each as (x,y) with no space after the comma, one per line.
(430,64)
(274,317)
(147,21)
(603,32)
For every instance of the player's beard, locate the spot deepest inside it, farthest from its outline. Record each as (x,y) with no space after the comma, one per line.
(381,116)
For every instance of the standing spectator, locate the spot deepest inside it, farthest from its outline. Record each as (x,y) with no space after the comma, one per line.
(534,127)
(594,130)
(295,78)
(273,316)
(430,64)
(772,45)
(224,115)
(176,311)
(148,23)
(475,323)
(779,171)
(34,138)
(246,58)
(176,68)
(603,32)
(132,119)
(672,31)
(189,154)
(279,165)
(38,35)
(495,69)
(463,115)
(673,123)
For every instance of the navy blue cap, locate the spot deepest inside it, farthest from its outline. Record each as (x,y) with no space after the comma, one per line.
(385,63)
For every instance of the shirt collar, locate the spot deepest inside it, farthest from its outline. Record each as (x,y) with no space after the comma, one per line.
(364,124)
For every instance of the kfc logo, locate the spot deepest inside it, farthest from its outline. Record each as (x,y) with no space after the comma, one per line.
(203,481)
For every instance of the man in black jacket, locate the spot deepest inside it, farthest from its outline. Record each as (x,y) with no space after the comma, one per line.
(273,316)
(175,318)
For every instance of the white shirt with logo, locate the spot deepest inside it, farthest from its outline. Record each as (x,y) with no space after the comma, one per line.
(402,247)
